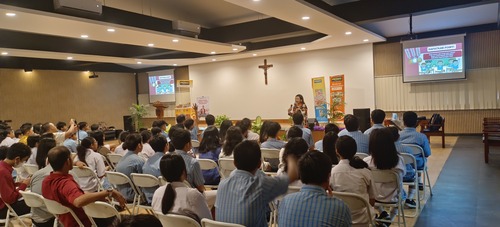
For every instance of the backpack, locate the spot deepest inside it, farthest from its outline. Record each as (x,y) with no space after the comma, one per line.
(436,119)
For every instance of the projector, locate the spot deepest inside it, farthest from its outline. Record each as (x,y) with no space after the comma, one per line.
(93,76)
(87,8)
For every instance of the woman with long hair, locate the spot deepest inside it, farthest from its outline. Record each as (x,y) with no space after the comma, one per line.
(44,145)
(210,148)
(295,148)
(384,156)
(298,105)
(233,138)
(224,126)
(175,196)
(86,153)
(352,174)
(329,141)
(101,148)
(263,131)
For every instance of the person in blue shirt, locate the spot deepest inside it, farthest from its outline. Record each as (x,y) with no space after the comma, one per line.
(351,123)
(192,127)
(210,148)
(377,117)
(330,127)
(272,133)
(210,120)
(298,120)
(152,166)
(312,206)
(83,127)
(130,163)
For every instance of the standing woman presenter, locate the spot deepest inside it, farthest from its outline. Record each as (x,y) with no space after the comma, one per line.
(299,105)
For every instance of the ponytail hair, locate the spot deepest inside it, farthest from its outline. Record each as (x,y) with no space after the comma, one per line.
(81,149)
(346,147)
(172,167)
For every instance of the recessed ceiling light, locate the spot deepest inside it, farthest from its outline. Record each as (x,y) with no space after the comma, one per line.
(365,40)
(84,36)
(5,53)
(302,48)
(175,40)
(175,64)
(139,62)
(254,55)
(111,30)
(69,58)
(306,18)
(256,0)
(213,52)
(348,33)
(235,49)
(151,44)
(10,14)
(214,59)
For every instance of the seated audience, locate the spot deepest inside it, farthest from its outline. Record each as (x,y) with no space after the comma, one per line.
(294,149)
(147,150)
(130,163)
(293,132)
(155,131)
(120,149)
(175,196)
(180,121)
(44,147)
(61,187)
(383,156)
(17,136)
(182,144)
(192,127)
(9,137)
(330,127)
(377,119)
(152,166)
(352,175)
(139,220)
(33,144)
(233,138)
(298,121)
(409,135)
(328,143)
(16,156)
(263,133)
(210,120)
(210,148)
(61,126)
(26,130)
(272,141)
(163,125)
(3,152)
(86,153)
(312,206)
(101,147)
(224,126)
(246,129)
(37,128)
(49,129)
(71,143)
(351,123)
(244,196)
(94,127)
(83,127)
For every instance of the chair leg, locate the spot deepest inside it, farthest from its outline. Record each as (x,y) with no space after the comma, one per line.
(428,181)
(486,152)
(442,142)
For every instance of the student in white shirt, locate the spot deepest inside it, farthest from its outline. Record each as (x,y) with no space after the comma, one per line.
(175,196)
(233,138)
(147,150)
(352,175)
(384,156)
(86,153)
(120,149)
(293,132)
(33,144)
(295,148)
(9,137)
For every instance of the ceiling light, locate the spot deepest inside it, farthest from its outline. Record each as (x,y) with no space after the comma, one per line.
(175,40)
(235,49)
(151,44)
(256,0)
(365,40)
(10,14)
(214,59)
(175,64)
(5,53)
(139,62)
(348,33)
(303,48)
(28,70)
(213,52)
(69,58)
(84,36)
(306,18)
(254,55)
(111,30)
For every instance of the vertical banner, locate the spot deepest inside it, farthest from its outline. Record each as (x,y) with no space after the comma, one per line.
(203,106)
(337,97)
(320,107)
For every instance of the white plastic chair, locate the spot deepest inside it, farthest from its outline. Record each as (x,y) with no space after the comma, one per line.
(144,181)
(12,213)
(117,178)
(208,164)
(211,223)
(195,143)
(410,159)
(114,159)
(391,177)
(162,180)
(267,154)
(356,202)
(361,155)
(85,172)
(30,168)
(226,166)
(177,220)
(100,210)
(107,162)
(34,200)
(57,209)
(417,150)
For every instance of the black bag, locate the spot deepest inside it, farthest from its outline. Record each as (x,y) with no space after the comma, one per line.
(435,122)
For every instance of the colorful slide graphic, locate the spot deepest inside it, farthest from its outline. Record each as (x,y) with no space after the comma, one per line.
(161,85)
(430,60)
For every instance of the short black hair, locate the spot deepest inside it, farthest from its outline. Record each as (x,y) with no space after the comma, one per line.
(3,152)
(146,136)
(82,125)
(138,220)
(188,123)
(156,131)
(273,128)
(123,135)
(330,127)
(37,128)
(44,128)
(180,119)
(293,132)
(26,127)
(18,133)
(159,123)
(57,156)
(298,118)
(60,125)
(351,123)
(394,131)
(94,127)
(410,119)
(98,136)
(314,168)
(20,150)
(294,147)
(181,138)
(32,140)
(132,141)
(210,119)
(378,116)
(245,124)
(158,143)
(247,155)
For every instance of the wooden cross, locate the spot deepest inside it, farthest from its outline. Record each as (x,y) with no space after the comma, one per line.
(265,67)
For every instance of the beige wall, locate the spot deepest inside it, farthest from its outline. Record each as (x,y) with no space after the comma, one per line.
(46,95)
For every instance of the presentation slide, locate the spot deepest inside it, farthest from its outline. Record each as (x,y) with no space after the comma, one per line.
(433,60)
(161,88)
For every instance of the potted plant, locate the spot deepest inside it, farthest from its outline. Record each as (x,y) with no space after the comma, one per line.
(257,125)
(137,112)
(219,119)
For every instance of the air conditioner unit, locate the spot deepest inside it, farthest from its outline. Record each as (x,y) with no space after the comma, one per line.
(79,7)
(186,28)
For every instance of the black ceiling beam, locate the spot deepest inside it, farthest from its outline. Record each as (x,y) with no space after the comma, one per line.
(366,10)
(51,64)
(283,42)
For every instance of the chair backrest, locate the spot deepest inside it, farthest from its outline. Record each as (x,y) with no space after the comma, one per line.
(107,162)
(416,150)
(355,202)
(32,199)
(226,166)
(385,176)
(30,168)
(211,223)
(56,208)
(162,180)
(361,155)
(195,143)
(83,172)
(177,220)
(144,180)
(114,158)
(101,210)
(207,164)
(117,178)
(267,153)
(409,159)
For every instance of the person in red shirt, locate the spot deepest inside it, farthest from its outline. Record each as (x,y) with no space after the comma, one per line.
(61,187)
(17,155)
